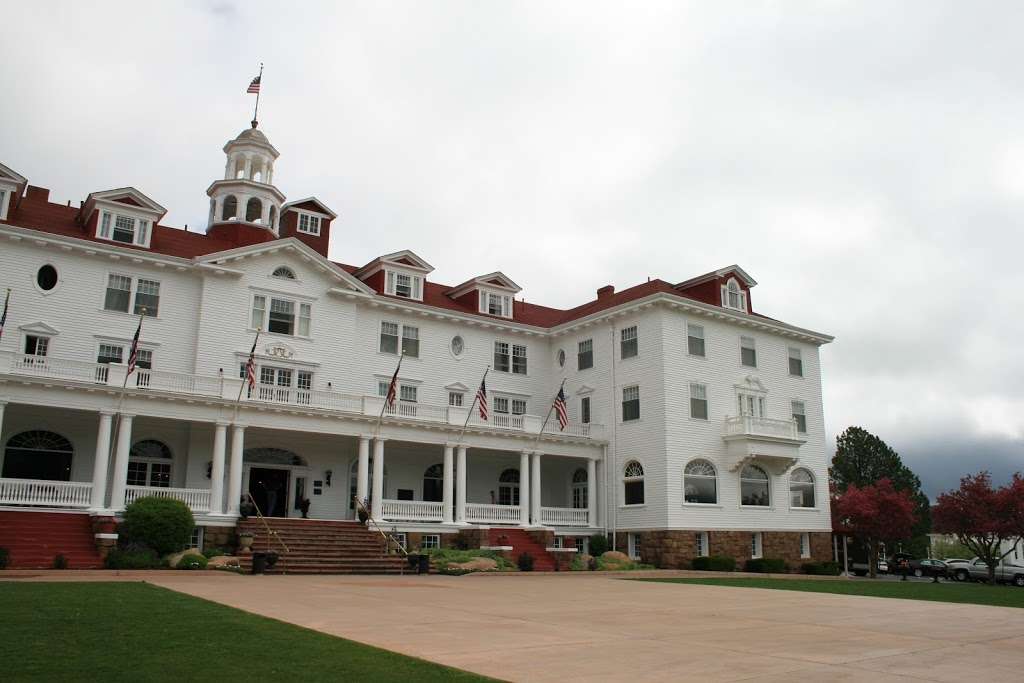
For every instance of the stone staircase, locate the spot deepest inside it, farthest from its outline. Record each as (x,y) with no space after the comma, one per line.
(522,542)
(321,547)
(34,539)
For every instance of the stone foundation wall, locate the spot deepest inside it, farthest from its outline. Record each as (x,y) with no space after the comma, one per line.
(222,537)
(413,539)
(675,549)
(470,538)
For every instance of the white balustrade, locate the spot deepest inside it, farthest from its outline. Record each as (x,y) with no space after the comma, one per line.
(495,514)
(175,382)
(418,411)
(564,516)
(412,510)
(327,400)
(198,500)
(76,494)
(506,421)
(748,425)
(46,366)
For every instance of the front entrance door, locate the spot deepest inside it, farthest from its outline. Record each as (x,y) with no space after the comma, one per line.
(269,488)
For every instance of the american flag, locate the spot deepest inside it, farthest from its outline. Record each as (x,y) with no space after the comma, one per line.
(133,355)
(250,365)
(389,399)
(481,397)
(3,318)
(560,409)
(254,87)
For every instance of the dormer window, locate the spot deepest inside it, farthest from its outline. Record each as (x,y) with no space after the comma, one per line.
(309,224)
(733,296)
(404,285)
(124,229)
(496,304)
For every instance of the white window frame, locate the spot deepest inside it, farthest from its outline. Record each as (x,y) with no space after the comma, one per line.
(308,224)
(586,410)
(748,343)
(632,388)
(691,328)
(794,404)
(401,337)
(795,355)
(629,338)
(302,313)
(752,404)
(4,194)
(142,228)
(805,545)
(415,284)
(702,544)
(632,546)
(699,392)
(456,399)
(589,344)
(45,339)
(628,478)
(133,294)
(503,303)
(812,485)
(756,545)
(434,542)
(733,296)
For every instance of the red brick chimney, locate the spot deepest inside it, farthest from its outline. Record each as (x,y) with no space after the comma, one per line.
(605,292)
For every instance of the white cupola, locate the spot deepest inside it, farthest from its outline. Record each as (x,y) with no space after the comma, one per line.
(247,194)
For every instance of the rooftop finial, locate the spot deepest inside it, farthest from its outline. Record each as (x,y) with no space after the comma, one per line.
(254,87)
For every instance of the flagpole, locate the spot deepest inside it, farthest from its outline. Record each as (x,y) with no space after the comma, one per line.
(472,405)
(257,109)
(394,378)
(3,316)
(245,380)
(120,401)
(548,417)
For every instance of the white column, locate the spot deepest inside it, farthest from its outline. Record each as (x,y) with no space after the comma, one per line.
(220,434)
(235,470)
(447,484)
(3,404)
(363,469)
(101,461)
(124,444)
(377,496)
(524,488)
(248,168)
(592,492)
(460,486)
(535,488)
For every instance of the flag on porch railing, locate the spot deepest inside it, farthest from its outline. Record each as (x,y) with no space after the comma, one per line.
(389,399)
(250,365)
(481,397)
(133,354)
(561,410)
(3,318)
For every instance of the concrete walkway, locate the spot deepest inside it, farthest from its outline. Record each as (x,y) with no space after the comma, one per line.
(598,627)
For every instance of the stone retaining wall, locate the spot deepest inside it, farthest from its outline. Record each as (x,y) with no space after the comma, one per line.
(675,549)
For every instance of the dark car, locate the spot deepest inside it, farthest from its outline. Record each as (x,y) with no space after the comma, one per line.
(929,568)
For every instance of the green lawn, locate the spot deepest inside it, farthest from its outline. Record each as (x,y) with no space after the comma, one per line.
(138,632)
(973,593)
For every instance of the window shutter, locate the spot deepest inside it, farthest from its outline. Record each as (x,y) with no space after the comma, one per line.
(416,288)
(507,306)
(390,287)
(725,297)
(483,302)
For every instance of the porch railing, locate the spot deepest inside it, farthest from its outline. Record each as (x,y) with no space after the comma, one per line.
(176,382)
(46,366)
(412,510)
(198,500)
(496,514)
(564,516)
(748,425)
(77,494)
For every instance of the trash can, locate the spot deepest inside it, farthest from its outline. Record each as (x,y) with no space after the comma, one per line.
(259,563)
(272,558)
(420,562)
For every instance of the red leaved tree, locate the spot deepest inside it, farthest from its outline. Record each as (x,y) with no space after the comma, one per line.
(983,518)
(874,514)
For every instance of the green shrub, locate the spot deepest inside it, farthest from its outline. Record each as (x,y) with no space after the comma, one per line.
(5,557)
(766,565)
(192,560)
(440,557)
(162,524)
(598,545)
(821,568)
(525,562)
(714,563)
(213,552)
(133,558)
(60,561)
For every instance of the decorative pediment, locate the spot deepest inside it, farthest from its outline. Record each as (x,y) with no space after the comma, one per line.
(495,281)
(10,176)
(125,196)
(39,328)
(751,383)
(279,350)
(458,386)
(318,205)
(404,259)
(584,390)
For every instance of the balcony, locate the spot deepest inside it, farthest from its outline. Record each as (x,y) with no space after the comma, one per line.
(231,388)
(748,426)
(772,444)
(70,494)
(198,500)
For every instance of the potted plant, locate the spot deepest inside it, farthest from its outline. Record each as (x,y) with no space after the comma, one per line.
(304,507)
(361,512)
(245,540)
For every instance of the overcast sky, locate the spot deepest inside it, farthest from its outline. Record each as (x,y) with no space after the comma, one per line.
(863,161)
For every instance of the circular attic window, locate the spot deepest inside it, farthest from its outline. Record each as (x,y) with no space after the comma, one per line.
(46,278)
(458,346)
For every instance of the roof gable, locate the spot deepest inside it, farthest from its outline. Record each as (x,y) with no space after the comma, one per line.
(298,205)
(9,174)
(128,196)
(404,258)
(497,280)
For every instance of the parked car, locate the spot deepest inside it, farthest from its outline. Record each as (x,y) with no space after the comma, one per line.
(861,568)
(959,569)
(1005,572)
(928,567)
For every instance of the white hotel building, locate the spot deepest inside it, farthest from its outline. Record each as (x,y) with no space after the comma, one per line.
(695,423)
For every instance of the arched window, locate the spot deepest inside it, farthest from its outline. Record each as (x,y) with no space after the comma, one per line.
(273,216)
(38,454)
(801,489)
(149,464)
(508,487)
(633,483)
(285,272)
(700,482)
(579,488)
(253,210)
(230,209)
(754,486)
(433,484)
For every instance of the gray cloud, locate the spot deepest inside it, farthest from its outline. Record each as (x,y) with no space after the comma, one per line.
(865,163)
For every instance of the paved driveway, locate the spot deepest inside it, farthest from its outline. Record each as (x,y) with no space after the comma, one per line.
(596,627)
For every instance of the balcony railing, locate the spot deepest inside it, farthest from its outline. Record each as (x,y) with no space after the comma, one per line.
(74,494)
(748,425)
(412,511)
(227,388)
(495,514)
(198,500)
(564,516)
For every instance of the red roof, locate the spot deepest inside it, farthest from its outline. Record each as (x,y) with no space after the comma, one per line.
(36,212)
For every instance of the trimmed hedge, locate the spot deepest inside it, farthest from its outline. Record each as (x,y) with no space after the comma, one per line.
(821,568)
(714,563)
(5,557)
(525,562)
(766,565)
(163,524)
(598,545)
(192,560)
(133,558)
